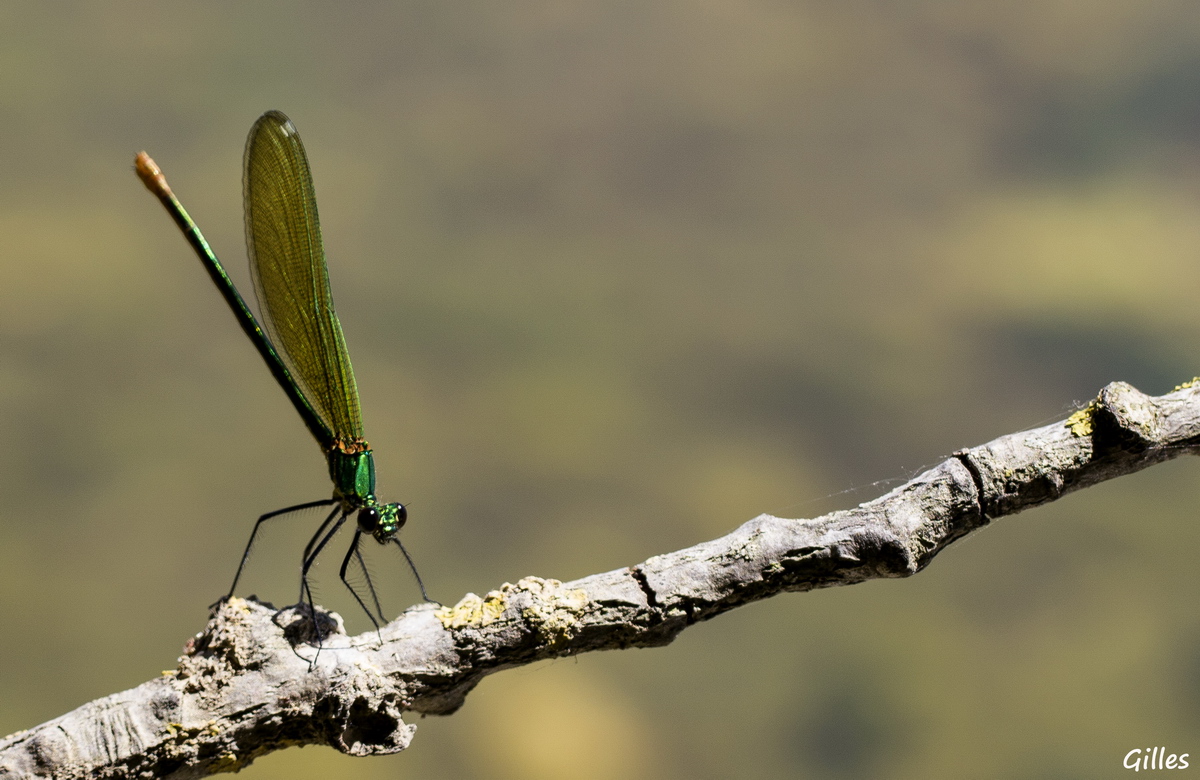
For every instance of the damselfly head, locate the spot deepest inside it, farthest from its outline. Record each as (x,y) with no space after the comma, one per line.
(382,521)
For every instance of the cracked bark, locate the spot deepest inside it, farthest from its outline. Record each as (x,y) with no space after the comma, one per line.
(244,686)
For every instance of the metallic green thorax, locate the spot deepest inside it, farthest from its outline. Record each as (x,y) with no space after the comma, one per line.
(353,476)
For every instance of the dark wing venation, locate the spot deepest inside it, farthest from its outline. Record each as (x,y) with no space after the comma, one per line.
(287,261)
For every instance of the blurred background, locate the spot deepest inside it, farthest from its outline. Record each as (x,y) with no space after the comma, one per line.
(617,277)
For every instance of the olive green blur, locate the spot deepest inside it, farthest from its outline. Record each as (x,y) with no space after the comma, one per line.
(618,277)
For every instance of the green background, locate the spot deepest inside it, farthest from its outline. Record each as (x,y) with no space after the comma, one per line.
(616,277)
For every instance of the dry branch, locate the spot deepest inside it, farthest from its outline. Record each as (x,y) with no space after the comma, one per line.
(244,687)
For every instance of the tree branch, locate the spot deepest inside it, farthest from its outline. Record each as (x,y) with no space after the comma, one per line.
(252,681)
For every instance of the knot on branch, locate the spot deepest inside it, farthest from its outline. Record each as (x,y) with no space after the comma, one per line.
(231,642)
(332,693)
(362,717)
(1124,419)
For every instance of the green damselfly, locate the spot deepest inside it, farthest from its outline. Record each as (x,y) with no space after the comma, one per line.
(302,341)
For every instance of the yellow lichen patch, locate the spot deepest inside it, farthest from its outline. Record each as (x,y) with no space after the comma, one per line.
(1190,383)
(473,610)
(1080,423)
(556,611)
(550,591)
(228,762)
(240,604)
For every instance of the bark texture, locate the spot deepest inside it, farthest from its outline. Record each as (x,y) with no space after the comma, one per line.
(253,682)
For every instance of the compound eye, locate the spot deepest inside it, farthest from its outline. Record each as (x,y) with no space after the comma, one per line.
(401,515)
(368,519)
